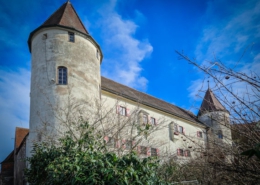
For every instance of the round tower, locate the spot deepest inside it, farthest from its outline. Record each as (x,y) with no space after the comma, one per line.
(65,74)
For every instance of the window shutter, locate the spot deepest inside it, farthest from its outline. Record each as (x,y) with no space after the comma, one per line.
(118,144)
(106,138)
(128,112)
(148,151)
(198,134)
(155,121)
(183,130)
(117,109)
(148,119)
(157,152)
(123,143)
(178,152)
(138,149)
(185,153)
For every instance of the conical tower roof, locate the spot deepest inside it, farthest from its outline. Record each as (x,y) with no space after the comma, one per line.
(65,17)
(210,104)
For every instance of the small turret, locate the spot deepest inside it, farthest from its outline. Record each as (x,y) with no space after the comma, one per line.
(213,114)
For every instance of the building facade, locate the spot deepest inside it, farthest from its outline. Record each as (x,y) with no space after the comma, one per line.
(66,87)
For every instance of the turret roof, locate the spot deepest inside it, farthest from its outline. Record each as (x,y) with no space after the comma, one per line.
(66,16)
(210,103)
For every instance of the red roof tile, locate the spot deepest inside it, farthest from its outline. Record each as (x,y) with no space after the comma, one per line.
(210,103)
(20,133)
(66,16)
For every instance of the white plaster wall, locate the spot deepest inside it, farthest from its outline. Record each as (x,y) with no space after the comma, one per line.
(161,138)
(218,120)
(49,101)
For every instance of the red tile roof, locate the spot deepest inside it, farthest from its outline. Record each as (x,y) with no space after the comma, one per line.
(66,16)
(210,103)
(20,133)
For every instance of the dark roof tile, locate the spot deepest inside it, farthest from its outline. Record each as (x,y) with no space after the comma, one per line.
(129,93)
(66,16)
(210,103)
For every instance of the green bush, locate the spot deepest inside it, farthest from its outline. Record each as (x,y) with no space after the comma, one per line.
(86,161)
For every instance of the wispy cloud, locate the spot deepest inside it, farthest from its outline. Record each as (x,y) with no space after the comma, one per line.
(226,39)
(127,51)
(14,105)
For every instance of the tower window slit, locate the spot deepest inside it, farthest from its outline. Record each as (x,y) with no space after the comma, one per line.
(71,37)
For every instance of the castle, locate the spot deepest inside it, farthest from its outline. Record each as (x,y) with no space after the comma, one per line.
(65,74)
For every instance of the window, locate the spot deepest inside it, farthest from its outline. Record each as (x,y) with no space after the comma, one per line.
(220,135)
(122,111)
(199,134)
(62,75)
(179,152)
(143,150)
(187,153)
(109,141)
(180,129)
(71,37)
(97,54)
(153,152)
(128,144)
(145,119)
(153,121)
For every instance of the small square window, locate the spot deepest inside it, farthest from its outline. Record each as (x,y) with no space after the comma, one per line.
(153,121)
(111,141)
(153,152)
(71,37)
(128,144)
(199,134)
(122,111)
(180,152)
(187,153)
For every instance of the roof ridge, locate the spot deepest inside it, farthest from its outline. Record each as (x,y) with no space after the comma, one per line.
(68,2)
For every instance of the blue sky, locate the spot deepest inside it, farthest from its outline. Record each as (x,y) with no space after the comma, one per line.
(138,40)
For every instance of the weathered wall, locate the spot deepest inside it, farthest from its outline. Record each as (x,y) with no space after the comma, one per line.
(53,106)
(219,147)
(160,138)
(218,121)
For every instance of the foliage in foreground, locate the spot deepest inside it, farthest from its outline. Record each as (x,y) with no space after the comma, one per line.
(85,162)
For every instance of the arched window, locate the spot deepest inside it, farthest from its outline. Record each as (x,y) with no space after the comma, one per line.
(220,135)
(62,75)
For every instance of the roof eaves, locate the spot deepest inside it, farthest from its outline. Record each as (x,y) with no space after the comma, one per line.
(66,27)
